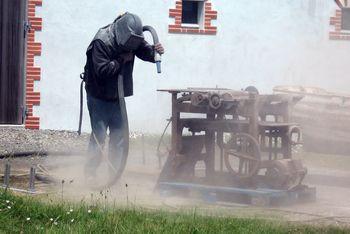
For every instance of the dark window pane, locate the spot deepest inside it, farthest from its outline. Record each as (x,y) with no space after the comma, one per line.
(345,19)
(190,12)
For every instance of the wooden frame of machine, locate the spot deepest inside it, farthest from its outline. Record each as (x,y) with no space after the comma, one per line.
(253,137)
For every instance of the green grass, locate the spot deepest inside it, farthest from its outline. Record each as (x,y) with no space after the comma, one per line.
(51,217)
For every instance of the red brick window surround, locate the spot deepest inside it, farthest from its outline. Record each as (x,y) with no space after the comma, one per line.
(205,28)
(338,33)
(33,73)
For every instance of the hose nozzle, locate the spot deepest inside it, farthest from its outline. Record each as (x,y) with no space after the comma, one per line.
(159,67)
(158,60)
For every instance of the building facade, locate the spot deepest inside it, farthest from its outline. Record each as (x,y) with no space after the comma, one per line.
(209,43)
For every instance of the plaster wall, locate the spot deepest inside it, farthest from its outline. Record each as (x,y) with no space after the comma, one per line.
(262,43)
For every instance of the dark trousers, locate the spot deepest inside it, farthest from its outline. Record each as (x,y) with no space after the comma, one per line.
(104,115)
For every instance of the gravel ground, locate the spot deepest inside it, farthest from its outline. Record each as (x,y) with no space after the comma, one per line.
(141,176)
(14,140)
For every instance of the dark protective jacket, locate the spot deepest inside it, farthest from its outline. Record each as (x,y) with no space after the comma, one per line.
(104,65)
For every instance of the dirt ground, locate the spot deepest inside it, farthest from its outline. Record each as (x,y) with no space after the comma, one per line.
(137,185)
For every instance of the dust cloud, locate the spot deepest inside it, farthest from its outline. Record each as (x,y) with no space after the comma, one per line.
(304,58)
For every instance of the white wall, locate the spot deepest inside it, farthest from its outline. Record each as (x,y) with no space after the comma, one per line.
(262,43)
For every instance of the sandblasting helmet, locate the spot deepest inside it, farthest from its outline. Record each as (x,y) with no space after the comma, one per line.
(128,31)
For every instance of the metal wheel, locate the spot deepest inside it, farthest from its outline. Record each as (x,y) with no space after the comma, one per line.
(215,101)
(242,155)
(285,174)
(277,175)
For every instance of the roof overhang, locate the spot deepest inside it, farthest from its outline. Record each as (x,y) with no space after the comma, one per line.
(343,3)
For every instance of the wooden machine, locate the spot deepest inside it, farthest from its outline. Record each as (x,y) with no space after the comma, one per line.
(233,144)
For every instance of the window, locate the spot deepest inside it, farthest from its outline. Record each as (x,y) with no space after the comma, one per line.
(345,21)
(192,12)
(344,5)
(193,17)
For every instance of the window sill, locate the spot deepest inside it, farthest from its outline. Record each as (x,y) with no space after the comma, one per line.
(190,25)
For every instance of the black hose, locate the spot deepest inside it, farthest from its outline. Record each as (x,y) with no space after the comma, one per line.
(81,102)
(155,41)
(119,171)
(153,33)
(124,158)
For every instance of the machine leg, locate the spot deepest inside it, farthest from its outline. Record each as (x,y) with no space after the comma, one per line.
(7,175)
(210,150)
(32,179)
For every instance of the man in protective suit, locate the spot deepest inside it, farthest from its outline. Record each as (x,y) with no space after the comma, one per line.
(110,53)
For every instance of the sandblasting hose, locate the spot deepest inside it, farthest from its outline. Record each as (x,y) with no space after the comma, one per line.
(119,171)
(81,102)
(157,56)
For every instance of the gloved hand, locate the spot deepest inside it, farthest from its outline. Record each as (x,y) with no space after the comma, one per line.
(126,57)
(159,48)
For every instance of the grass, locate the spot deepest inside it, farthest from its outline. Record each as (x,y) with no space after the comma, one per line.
(31,215)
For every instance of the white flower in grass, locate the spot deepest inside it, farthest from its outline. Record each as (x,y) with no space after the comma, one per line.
(71,210)
(9,207)
(7,201)
(51,219)
(72,220)
(89,211)
(28,219)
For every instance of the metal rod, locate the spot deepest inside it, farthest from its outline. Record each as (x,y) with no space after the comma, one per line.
(220,142)
(270,145)
(221,159)
(7,175)
(32,179)
(276,147)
